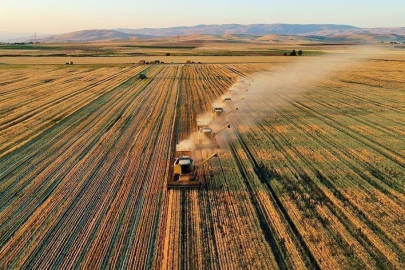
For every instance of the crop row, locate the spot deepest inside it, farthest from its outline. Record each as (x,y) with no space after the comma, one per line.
(339,200)
(31,106)
(307,179)
(82,193)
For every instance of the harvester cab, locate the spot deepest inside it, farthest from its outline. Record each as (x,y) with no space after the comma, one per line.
(232,92)
(217,112)
(184,169)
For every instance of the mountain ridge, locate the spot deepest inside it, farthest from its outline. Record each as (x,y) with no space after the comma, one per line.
(333,32)
(221,29)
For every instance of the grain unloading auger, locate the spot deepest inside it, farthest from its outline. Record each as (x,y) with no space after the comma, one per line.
(222,129)
(238,100)
(184,170)
(206,137)
(235,109)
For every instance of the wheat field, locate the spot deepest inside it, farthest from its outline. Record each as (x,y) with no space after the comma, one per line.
(309,176)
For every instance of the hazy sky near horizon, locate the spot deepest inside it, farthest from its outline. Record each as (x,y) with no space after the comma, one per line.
(60,16)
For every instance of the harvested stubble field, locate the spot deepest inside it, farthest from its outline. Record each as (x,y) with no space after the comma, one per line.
(310,179)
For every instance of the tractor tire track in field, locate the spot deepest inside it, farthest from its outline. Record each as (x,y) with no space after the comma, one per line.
(311,262)
(317,192)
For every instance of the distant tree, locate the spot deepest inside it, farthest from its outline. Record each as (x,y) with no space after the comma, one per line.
(285,54)
(299,52)
(293,53)
(168,54)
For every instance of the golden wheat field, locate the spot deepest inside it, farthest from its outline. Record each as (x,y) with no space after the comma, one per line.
(309,176)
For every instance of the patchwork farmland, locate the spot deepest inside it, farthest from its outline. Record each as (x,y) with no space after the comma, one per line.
(309,179)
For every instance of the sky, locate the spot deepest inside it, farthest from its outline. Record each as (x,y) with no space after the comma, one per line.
(61,16)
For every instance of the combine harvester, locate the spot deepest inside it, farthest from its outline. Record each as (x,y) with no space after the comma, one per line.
(184,169)
(206,137)
(240,85)
(219,111)
(228,101)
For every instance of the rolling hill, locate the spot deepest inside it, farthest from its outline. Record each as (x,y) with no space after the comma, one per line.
(312,32)
(93,35)
(252,29)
